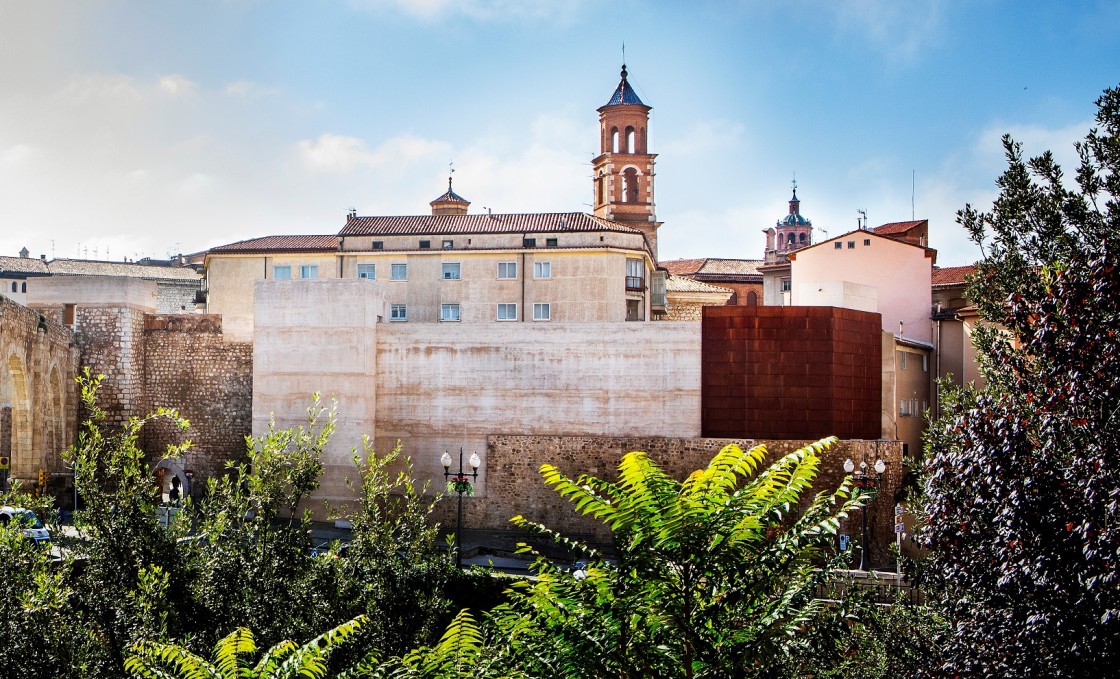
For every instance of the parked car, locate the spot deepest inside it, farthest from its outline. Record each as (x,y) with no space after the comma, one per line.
(25,518)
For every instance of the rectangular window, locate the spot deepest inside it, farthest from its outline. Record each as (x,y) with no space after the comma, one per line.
(837,245)
(367,271)
(448,244)
(398,272)
(309,271)
(378,245)
(635,278)
(529,243)
(542,269)
(551,242)
(866,242)
(904,408)
(787,285)
(450,271)
(507,270)
(282,272)
(507,312)
(902,360)
(449,312)
(851,245)
(425,244)
(925,363)
(398,312)
(542,312)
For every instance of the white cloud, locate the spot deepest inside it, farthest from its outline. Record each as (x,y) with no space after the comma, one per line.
(245,88)
(15,156)
(337,153)
(901,30)
(177,86)
(482,10)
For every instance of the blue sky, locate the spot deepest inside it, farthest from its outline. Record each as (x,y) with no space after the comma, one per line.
(138,129)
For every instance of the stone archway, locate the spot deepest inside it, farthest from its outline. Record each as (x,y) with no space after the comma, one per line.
(172,467)
(15,432)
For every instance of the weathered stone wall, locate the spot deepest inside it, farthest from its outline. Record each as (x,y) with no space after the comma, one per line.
(173,297)
(682,311)
(515,486)
(37,392)
(189,366)
(111,342)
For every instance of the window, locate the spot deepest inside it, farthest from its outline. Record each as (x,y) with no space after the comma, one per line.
(630,140)
(635,280)
(904,408)
(507,312)
(851,245)
(614,140)
(282,272)
(23,287)
(309,271)
(787,285)
(551,242)
(450,271)
(507,269)
(542,312)
(15,286)
(448,244)
(902,360)
(529,243)
(629,185)
(542,269)
(449,312)
(866,242)
(425,244)
(837,246)
(367,271)
(398,312)
(398,272)
(925,363)
(378,245)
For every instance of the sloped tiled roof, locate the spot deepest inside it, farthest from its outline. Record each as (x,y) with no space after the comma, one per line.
(712,267)
(951,275)
(23,265)
(682,284)
(446,225)
(624,94)
(86,267)
(450,196)
(897,227)
(314,243)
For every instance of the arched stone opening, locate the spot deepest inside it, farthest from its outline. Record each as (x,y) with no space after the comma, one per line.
(15,419)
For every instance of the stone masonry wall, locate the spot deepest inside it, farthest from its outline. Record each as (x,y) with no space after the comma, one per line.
(515,486)
(189,366)
(110,339)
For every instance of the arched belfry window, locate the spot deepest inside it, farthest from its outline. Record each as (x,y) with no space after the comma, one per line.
(630,140)
(801,239)
(793,239)
(630,185)
(614,140)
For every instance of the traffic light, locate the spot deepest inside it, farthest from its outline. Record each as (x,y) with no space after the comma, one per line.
(42,482)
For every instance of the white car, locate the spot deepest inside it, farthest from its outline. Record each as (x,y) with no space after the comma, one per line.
(25,518)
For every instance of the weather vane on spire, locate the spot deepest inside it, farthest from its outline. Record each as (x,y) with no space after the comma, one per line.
(450,171)
(623,53)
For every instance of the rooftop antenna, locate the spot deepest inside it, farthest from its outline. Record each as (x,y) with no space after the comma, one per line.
(862,219)
(624,53)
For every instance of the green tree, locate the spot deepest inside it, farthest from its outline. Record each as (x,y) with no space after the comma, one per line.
(1022,481)
(715,576)
(232,657)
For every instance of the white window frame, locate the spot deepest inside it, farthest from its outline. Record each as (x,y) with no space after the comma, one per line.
(398,313)
(542,270)
(370,272)
(449,312)
(305,269)
(542,311)
(401,268)
(510,310)
(287,269)
(510,271)
(452,271)
(902,360)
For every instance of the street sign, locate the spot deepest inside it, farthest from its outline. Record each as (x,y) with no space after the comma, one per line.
(899,527)
(844,540)
(899,510)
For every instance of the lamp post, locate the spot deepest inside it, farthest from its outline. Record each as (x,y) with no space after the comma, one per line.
(459,482)
(868,483)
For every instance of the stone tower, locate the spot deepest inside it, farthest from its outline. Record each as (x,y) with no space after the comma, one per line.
(792,232)
(623,170)
(450,203)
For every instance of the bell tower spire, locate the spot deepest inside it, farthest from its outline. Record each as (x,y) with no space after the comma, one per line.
(623,170)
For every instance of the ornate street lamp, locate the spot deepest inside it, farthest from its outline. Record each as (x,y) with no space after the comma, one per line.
(461,483)
(868,483)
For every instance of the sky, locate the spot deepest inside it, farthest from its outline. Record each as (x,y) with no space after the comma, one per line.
(134,129)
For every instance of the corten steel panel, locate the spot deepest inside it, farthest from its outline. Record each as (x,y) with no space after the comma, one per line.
(790,372)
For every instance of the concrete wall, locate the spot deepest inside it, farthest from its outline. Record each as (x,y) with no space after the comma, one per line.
(97,291)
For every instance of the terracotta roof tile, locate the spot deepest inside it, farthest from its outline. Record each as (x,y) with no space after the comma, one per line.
(712,266)
(86,267)
(683,267)
(952,275)
(314,243)
(683,284)
(898,227)
(446,225)
(23,265)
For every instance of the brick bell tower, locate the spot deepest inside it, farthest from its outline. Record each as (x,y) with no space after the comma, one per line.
(623,171)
